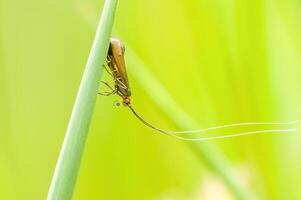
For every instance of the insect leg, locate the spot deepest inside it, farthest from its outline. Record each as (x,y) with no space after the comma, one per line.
(113,91)
(107,93)
(120,83)
(105,66)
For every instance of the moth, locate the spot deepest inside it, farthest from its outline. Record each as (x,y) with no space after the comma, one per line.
(115,66)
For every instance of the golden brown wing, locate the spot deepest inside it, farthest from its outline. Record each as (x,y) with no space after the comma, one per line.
(116,54)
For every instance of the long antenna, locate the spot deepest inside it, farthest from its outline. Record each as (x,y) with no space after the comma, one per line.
(174,133)
(147,123)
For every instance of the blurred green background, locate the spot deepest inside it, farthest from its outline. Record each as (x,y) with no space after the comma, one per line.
(221,61)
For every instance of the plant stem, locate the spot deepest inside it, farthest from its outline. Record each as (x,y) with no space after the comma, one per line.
(66,171)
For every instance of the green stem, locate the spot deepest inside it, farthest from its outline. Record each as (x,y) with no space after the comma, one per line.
(66,171)
(206,151)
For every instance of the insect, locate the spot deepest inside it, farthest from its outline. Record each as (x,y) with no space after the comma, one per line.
(115,66)
(115,62)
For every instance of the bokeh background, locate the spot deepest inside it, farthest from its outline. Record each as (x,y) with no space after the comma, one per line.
(221,61)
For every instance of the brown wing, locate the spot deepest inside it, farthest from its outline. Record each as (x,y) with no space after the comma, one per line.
(116,53)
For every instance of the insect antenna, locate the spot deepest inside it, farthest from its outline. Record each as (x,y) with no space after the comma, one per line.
(147,123)
(175,133)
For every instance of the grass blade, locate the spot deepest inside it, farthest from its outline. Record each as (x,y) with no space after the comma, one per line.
(65,175)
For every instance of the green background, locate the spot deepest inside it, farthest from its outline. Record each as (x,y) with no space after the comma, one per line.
(221,61)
